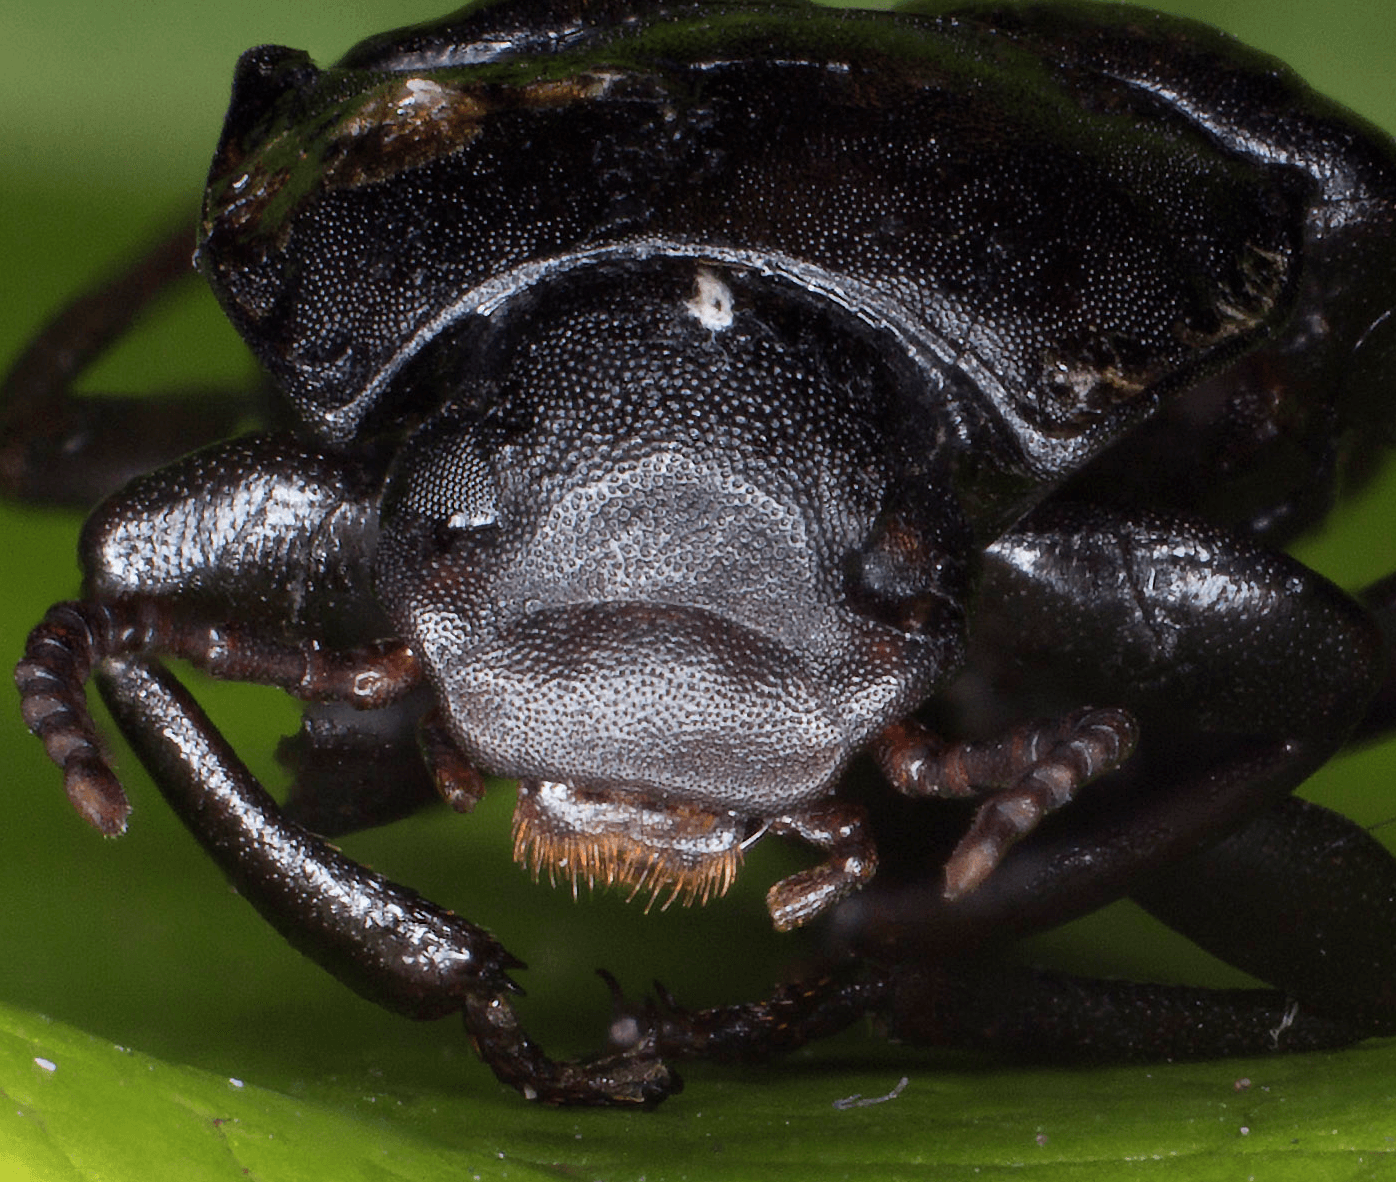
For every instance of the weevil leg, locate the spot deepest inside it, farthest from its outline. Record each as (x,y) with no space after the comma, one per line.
(356,769)
(57,448)
(1055,1017)
(1380,719)
(840,828)
(73,639)
(1300,897)
(1298,869)
(456,779)
(249,558)
(1034,769)
(383,940)
(794,1015)
(1246,672)
(982,1004)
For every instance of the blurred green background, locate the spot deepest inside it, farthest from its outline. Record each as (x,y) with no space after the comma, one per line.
(107,116)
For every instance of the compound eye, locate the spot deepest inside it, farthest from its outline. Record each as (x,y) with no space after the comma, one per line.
(445,478)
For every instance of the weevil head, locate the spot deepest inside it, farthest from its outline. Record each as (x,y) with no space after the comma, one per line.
(658,556)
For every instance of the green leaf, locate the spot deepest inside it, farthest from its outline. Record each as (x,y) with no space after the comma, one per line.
(78,1107)
(161,987)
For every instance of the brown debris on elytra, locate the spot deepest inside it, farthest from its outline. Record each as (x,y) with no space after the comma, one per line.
(626,839)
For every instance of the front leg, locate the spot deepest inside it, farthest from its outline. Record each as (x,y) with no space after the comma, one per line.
(250,558)
(1027,773)
(1245,672)
(74,639)
(383,940)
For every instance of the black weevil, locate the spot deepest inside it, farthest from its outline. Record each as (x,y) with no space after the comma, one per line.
(985,435)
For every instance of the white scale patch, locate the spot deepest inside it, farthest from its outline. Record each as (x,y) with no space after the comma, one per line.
(711,304)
